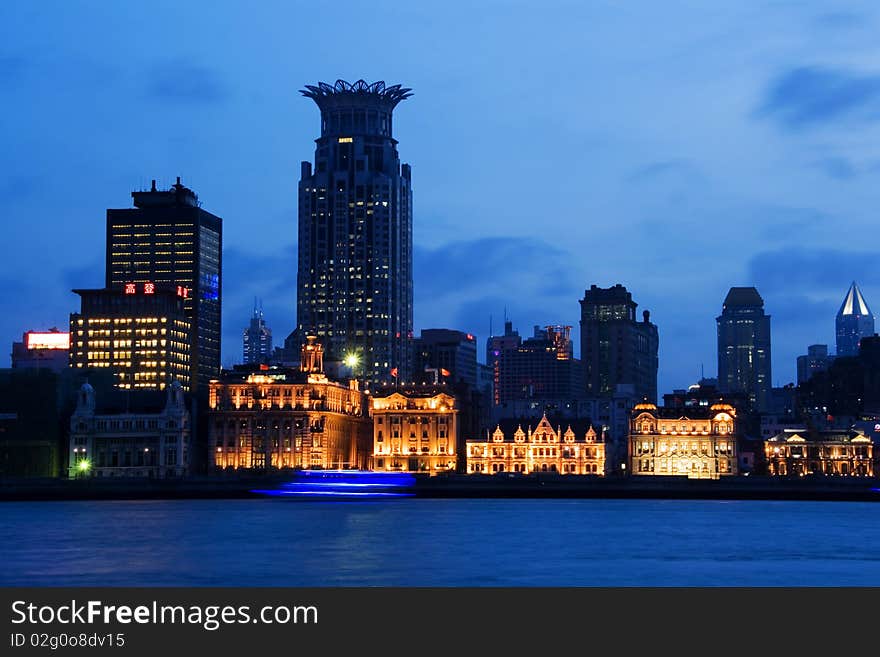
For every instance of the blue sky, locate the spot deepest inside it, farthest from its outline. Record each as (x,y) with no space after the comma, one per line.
(678,148)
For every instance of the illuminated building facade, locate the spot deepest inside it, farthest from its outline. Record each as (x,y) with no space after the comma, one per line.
(615,348)
(130,442)
(270,417)
(168,240)
(257,340)
(140,331)
(415,429)
(42,350)
(355,276)
(744,347)
(854,321)
(700,444)
(799,452)
(570,448)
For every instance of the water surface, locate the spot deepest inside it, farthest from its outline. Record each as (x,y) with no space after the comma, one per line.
(426,542)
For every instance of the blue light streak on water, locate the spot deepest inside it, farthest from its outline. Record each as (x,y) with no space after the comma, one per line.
(344,483)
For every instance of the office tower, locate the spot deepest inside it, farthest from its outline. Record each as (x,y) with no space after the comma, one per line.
(498,351)
(744,347)
(355,276)
(615,348)
(257,340)
(539,368)
(41,350)
(168,239)
(452,355)
(141,332)
(854,322)
(815,360)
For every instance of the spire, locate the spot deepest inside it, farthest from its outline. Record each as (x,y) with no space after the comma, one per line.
(854,303)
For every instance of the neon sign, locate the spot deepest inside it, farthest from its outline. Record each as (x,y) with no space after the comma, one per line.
(150,288)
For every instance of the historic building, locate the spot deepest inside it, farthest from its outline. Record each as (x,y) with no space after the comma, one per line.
(270,417)
(130,438)
(140,332)
(616,349)
(854,321)
(355,274)
(168,240)
(799,452)
(744,347)
(566,447)
(699,443)
(415,429)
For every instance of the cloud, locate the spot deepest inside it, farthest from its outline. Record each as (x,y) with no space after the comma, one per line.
(808,96)
(838,168)
(664,170)
(841,20)
(185,83)
(812,272)
(461,284)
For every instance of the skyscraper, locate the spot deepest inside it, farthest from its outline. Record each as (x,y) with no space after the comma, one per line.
(854,322)
(257,341)
(355,276)
(615,348)
(167,239)
(744,347)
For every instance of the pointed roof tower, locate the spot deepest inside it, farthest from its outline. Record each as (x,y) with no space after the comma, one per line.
(854,303)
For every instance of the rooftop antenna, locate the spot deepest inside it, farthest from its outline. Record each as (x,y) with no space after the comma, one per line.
(490,325)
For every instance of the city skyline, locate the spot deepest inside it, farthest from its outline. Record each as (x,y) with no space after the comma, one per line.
(770,122)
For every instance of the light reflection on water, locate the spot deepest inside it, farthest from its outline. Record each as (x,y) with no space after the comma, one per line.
(421,542)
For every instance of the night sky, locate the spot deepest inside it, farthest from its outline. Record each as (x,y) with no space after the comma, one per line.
(678,148)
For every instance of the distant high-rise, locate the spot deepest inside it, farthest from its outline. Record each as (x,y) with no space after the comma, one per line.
(815,360)
(615,348)
(744,347)
(453,354)
(542,367)
(854,322)
(355,272)
(167,239)
(257,341)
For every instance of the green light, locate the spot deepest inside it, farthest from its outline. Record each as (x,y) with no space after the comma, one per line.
(84,465)
(352,360)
